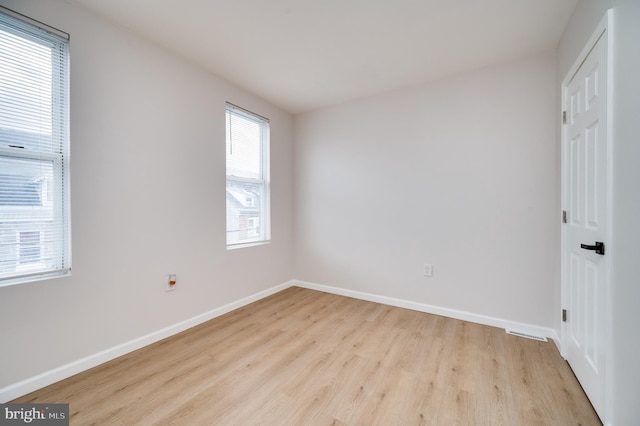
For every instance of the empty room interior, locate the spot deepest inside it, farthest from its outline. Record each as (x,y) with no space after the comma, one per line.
(300,212)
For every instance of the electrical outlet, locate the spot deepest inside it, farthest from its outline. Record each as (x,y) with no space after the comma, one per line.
(171,283)
(428,270)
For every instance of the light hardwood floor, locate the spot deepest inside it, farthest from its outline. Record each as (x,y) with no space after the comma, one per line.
(302,357)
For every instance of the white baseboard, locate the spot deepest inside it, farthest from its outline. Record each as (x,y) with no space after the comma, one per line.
(31,384)
(436,310)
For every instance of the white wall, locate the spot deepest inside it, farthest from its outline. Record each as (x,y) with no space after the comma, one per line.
(460,173)
(625,274)
(148,198)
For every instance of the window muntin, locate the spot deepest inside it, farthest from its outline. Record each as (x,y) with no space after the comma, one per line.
(34,157)
(247,187)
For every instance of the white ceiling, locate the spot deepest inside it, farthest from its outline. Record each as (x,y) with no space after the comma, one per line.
(306,54)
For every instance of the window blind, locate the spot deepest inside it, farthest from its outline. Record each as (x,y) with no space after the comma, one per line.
(34,151)
(247,155)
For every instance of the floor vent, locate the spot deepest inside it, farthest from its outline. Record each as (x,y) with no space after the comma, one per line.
(528,336)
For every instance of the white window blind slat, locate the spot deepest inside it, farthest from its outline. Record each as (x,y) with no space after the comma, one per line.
(34,150)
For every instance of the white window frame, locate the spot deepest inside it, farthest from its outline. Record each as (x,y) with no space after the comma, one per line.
(55,198)
(264,236)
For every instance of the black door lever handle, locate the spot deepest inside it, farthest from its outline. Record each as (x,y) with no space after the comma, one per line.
(598,247)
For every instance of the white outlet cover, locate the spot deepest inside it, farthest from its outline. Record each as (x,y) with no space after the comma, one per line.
(168,286)
(428,270)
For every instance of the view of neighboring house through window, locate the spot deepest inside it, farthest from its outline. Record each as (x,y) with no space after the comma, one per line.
(34,144)
(247,145)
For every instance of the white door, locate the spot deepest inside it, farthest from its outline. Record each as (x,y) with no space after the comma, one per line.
(585,257)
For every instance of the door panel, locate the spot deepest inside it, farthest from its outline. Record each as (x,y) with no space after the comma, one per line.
(592,191)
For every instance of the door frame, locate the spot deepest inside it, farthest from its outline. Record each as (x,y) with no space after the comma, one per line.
(604,28)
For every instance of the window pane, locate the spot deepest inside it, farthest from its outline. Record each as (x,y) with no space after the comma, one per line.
(28,232)
(247,145)
(243,147)
(244,211)
(25,90)
(24,182)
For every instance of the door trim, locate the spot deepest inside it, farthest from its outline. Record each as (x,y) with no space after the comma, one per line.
(605,27)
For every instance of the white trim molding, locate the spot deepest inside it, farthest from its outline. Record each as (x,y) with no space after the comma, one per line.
(520,327)
(31,384)
(47,378)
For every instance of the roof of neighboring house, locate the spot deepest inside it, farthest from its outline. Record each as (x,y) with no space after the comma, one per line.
(239,197)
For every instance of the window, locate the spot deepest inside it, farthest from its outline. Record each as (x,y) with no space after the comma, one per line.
(34,150)
(247,145)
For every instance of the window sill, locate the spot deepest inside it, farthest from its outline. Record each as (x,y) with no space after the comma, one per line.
(250,244)
(25,279)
